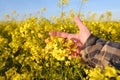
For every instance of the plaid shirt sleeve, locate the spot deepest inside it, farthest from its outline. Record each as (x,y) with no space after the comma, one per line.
(101,53)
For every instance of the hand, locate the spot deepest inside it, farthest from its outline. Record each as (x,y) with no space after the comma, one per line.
(79,39)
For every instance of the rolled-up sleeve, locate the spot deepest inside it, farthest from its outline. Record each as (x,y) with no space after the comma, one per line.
(101,53)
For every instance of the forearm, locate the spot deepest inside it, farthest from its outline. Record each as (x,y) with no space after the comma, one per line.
(101,53)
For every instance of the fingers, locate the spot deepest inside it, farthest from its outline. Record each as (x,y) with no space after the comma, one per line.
(60,34)
(77,42)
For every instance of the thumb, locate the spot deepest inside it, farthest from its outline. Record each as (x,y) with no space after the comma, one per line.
(79,23)
(84,31)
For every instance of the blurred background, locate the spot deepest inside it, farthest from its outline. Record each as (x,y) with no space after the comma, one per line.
(49,8)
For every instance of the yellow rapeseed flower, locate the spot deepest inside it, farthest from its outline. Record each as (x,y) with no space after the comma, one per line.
(85,0)
(43,9)
(7,16)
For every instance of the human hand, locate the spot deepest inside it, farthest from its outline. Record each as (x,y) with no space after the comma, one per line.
(79,39)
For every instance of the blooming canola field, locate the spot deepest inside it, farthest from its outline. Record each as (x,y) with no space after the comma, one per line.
(27,52)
